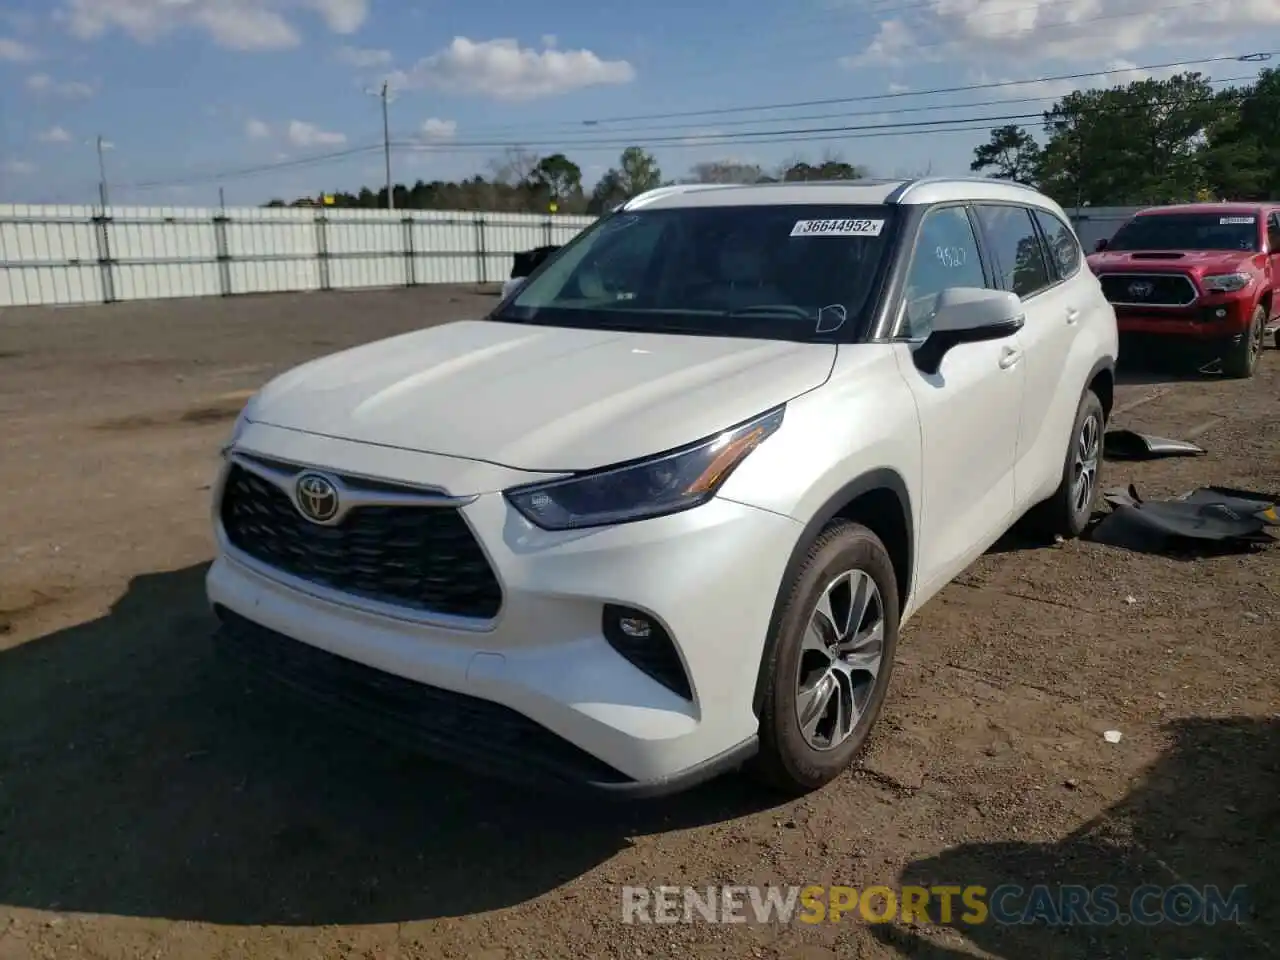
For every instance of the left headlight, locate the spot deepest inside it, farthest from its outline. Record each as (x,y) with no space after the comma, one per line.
(668,483)
(1227,282)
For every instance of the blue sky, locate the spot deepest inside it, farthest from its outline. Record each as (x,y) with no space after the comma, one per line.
(189,93)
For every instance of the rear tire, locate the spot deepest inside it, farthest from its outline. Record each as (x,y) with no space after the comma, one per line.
(832,649)
(1067,512)
(1241,359)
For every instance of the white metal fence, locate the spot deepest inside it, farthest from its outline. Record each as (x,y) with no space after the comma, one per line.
(52,255)
(72,255)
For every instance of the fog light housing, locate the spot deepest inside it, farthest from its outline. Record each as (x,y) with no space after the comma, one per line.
(643,642)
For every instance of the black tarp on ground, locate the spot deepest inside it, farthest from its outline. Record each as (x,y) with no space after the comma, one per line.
(1218,518)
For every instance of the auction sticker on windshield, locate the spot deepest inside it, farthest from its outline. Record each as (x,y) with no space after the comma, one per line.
(1237,220)
(837,228)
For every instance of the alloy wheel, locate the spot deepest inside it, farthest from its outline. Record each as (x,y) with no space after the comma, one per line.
(1084,466)
(840,660)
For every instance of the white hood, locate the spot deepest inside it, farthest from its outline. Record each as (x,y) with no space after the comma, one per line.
(540,398)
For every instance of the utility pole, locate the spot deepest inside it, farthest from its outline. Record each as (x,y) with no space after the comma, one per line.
(384,94)
(102,173)
(386,146)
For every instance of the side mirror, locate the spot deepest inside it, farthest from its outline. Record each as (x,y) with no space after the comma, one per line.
(1100,245)
(968,315)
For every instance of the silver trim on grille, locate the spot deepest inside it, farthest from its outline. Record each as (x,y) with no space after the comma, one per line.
(1191,288)
(352,491)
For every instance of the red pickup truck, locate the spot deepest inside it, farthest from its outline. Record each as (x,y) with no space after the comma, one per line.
(1207,274)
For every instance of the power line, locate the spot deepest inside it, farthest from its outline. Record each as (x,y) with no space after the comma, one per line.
(241,172)
(670,142)
(642,130)
(1068,24)
(962,88)
(752,136)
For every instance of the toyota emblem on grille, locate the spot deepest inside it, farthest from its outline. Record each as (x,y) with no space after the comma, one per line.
(317,498)
(1141,289)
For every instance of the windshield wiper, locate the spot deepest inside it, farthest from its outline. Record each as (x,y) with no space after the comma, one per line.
(771,310)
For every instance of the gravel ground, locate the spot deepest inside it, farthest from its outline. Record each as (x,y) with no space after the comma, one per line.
(151,806)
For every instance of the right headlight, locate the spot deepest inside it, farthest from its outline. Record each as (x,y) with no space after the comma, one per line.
(237,428)
(656,486)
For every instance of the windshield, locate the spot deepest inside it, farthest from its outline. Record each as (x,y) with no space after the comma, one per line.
(775,272)
(1188,231)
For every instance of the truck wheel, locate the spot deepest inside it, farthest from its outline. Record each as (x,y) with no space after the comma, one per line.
(826,666)
(1241,358)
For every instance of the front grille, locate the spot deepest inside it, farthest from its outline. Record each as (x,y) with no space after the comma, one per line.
(478,734)
(421,557)
(1149,289)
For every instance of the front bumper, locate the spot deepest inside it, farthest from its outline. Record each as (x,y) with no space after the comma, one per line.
(538,692)
(1215,319)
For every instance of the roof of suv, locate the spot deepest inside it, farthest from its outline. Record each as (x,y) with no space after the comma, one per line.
(918,191)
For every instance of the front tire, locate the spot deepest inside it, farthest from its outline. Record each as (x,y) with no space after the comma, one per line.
(827,665)
(1068,511)
(1241,359)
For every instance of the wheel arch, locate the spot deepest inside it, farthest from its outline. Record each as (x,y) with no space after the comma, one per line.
(880,501)
(1102,381)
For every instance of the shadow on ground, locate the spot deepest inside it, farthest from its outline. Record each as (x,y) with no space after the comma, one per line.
(1207,813)
(139,778)
(1147,364)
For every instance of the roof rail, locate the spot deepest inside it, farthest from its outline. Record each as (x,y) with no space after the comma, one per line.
(657,193)
(898,195)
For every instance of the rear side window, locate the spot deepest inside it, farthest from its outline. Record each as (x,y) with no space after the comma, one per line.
(1064,249)
(1273,232)
(1020,263)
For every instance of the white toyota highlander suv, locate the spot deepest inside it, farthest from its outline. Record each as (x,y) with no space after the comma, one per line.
(663,512)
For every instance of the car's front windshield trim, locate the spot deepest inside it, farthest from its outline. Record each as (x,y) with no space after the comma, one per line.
(815,283)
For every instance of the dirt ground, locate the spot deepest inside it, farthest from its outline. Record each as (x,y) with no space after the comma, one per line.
(151,806)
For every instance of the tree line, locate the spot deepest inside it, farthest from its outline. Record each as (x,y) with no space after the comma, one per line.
(521,181)
(1148,142)
(1145,142)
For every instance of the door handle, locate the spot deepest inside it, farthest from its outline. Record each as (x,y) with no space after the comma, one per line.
(1072,314)
(1008,357)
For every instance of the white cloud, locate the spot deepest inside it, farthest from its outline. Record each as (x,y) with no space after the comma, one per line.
(434,128)
(549,40)
(302,134)
(893,43)
(363,58)
(898,88)
(54,135)
(1058,29)
(504,70)
(256,129)
(42,83)
(14,52)
(20,168)
(235,24)
(341,16)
